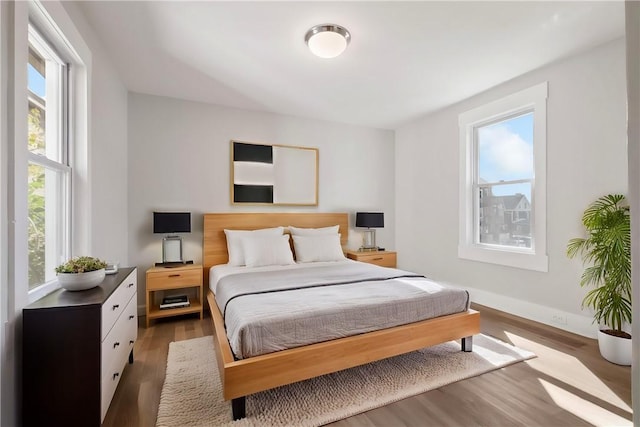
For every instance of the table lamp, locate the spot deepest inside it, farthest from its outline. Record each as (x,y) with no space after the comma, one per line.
(170,223)
(370,221)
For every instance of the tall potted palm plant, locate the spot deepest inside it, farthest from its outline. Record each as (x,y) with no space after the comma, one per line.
(607,248)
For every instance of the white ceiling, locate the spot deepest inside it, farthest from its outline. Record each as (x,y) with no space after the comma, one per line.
(406,59)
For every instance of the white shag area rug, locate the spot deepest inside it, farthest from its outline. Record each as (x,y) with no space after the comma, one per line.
(192,394)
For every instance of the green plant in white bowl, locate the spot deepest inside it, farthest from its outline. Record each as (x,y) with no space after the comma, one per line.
(81,273)
(81,264)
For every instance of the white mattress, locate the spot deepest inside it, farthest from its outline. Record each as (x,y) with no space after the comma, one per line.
(268,309)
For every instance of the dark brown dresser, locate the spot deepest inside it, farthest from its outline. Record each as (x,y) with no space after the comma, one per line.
(75,347)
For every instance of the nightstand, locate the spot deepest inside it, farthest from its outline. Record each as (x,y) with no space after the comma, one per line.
(381,258)
(162,279)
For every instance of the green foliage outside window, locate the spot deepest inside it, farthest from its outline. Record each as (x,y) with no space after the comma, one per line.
(35,200)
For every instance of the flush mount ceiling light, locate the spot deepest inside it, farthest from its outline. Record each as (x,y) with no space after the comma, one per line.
(327,40)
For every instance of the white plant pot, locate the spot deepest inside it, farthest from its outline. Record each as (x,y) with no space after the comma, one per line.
(615,349)
(81,281)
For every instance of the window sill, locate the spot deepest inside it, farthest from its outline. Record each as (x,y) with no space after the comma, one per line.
(517,259)
(42,290)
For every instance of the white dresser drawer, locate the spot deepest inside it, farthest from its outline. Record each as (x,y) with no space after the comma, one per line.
(116,303)
(109,384)
(116,348)
(131,319)
(118,343)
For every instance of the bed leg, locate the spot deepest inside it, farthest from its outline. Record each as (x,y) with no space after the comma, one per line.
(467,344)
(238,407)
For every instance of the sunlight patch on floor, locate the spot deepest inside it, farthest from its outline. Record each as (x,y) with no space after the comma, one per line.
(568,369)
(581,408)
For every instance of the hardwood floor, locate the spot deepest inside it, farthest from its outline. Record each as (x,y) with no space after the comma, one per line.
(137,397)
(568,384)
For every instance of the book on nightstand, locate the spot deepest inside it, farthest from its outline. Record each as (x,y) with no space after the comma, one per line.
(174,301)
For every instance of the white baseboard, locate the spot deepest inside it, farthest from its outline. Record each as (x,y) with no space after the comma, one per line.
(577,324)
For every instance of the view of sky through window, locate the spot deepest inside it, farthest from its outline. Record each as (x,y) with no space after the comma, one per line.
(36,82)
(505,153)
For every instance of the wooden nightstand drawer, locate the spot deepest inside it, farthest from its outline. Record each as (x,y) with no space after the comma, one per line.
(171,279)
(383,259)
(185,279)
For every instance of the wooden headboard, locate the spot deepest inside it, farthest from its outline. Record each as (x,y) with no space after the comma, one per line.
(214,245)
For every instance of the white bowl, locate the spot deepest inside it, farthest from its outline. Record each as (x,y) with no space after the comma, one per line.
(81,281)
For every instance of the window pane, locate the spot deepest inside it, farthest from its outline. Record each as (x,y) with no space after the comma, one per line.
(505,150)
(48,184)
(35,75)
(37,238)
(505,215)
(46,219)
(44,81)
(36,128)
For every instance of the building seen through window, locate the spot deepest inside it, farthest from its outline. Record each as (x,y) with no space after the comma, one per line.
(504,152)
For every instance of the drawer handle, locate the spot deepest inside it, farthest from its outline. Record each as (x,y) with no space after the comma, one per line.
(131,341)
(116,375)
(116,306)
(130,285)
(115,344)
(174,275)
(131,317)
(378,259)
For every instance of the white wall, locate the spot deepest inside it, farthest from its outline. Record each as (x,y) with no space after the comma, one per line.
(108,226)
(586,158)
(103,217)
(632,10)
(4,139)
(179,159)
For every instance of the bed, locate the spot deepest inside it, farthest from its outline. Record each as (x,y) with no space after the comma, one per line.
(245,374)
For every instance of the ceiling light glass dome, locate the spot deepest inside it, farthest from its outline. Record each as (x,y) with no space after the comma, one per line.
(327,40)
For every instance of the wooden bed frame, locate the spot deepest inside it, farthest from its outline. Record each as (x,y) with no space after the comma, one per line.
(241,378)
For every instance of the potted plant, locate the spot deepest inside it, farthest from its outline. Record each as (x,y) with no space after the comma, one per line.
(607,248)
(80,273)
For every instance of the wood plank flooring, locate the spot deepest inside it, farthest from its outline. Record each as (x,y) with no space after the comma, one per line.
(568,384)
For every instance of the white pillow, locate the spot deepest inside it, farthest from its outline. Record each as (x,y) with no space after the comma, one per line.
(234,242)
(321,247)
(267,250)
(295,231)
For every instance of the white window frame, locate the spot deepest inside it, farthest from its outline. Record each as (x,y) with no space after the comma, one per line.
(3,224)
(55,159)
(54,24)
(533,99)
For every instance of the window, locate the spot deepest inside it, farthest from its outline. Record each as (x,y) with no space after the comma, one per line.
(502,181)
(49,173)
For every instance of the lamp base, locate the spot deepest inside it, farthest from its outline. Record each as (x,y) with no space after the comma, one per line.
(369,239)
(172,249)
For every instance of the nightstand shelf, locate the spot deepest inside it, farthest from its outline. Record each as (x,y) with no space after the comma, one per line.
(162,279)
(156,313)
(381,258)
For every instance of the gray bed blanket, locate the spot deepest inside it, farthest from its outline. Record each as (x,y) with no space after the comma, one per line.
(276,310)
